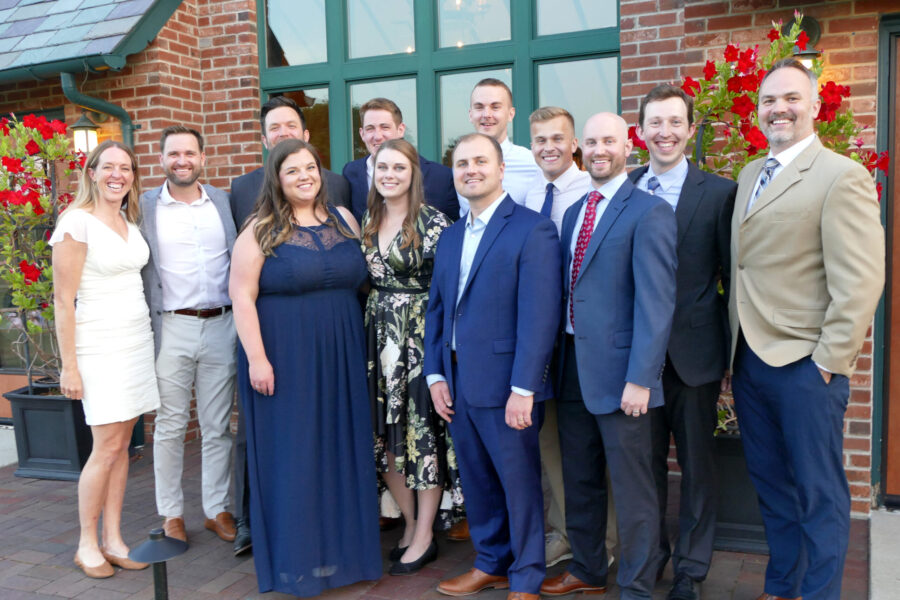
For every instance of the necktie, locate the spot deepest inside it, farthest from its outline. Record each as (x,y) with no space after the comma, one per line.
(764,179)
(547,206)
(653,185)
(584,238)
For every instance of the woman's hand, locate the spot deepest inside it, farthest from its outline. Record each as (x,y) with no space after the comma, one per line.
(70,383)
(262,377)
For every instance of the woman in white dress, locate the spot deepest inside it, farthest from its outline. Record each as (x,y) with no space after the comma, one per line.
(105,340)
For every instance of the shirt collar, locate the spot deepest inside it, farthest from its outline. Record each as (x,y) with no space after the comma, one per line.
(486,214)
(568,177)
(612,186)
(785,157)
(506,145)
(674,176)
(370,164)
(166,198)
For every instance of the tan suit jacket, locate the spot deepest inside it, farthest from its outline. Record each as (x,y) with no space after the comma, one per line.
(807,261)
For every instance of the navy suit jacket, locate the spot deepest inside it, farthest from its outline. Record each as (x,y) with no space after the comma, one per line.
(246,188)
(438,180)
(624,297)
(699,343)
(507,316)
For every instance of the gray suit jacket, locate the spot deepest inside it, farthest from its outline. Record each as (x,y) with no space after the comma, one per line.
(150,272)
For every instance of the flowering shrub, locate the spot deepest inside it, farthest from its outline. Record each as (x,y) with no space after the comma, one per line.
(725,108)
(32,152)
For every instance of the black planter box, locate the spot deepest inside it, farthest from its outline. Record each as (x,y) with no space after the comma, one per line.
(739,526)
(52,439)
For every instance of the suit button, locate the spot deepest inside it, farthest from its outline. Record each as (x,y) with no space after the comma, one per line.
(159,285)
(159,312)
(741,267)
(447,344)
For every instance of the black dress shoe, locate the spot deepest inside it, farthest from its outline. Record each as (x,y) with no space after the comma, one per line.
(402,568)
(683,588)
(397,552)
(242,540)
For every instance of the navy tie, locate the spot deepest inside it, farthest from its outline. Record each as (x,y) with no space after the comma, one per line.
(653,185)
(547,207)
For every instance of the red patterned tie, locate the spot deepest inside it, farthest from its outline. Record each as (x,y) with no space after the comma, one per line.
(584,238)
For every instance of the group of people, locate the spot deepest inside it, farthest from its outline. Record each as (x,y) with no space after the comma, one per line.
(456,330)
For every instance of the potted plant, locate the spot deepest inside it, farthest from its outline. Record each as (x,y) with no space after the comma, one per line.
(52,439)
(728,137)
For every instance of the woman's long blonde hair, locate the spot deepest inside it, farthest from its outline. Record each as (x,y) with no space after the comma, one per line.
(375,203)
(88,193)
(274,215)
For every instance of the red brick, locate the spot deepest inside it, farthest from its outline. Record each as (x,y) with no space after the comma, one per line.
(853,57)
(695,26)
(729,23)
(636,35)
(638,62)
(852,25)
(637,8)
(655,19)
(705,10)
(751,5)
(860,444)
(707,40)
(660,46)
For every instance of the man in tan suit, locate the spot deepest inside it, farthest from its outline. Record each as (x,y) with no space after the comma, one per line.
(807,270)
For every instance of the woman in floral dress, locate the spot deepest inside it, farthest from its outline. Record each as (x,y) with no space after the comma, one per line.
(412,445)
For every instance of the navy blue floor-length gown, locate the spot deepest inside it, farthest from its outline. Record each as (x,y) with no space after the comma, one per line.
(313,502)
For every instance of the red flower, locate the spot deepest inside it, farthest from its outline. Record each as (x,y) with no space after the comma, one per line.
(883,163)
(756,139)
(773,35)
(878,188)
(4,126)
(750,83)
(58,126)
(709,71)
(81,157)
(802,40)
(690,86)
(731,52)
(66,199)
(742,106)
(30,271)
(13,165)
(734,84)
(633,136)
(746,60)
(32,147)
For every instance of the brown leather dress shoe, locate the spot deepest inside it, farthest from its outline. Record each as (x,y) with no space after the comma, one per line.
(522,596)
(459,532)
(765,596)
(124,562)
(472,582)
(101,571)
(222,526)
(569,584)
(173,527)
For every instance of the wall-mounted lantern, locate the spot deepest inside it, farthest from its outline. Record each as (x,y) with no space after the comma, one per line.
(84,132)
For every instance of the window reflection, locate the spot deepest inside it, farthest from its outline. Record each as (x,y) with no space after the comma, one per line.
(379,27)
(583,87)
(403,94)
(295,32)
(314,104)
(465,22)
(565,16)
(456,90)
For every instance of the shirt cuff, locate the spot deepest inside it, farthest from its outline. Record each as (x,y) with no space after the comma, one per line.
(432,379)
(823,368)
(521,392)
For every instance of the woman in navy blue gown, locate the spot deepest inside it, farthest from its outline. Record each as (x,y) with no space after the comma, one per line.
(296,270)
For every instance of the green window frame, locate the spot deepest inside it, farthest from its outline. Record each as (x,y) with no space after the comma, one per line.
(523,53)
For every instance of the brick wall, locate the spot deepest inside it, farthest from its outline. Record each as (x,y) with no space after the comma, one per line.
(202,71)
(664,40)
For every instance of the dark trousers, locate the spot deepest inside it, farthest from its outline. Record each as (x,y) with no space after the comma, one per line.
(792,430)
(589,444)
(241,489)
(689,415)
(500,469)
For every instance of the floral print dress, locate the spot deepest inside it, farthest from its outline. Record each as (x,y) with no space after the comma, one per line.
(405,422)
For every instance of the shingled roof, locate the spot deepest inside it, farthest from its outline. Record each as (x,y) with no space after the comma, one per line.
(40,38)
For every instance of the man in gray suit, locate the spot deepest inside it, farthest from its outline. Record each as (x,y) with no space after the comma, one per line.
(190,231)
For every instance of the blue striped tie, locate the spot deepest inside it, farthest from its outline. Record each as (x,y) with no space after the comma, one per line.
(764,179)
(653,185)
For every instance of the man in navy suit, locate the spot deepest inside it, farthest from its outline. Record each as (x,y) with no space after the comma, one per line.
(618,245)
(381,120)
(698,346)
(489,330)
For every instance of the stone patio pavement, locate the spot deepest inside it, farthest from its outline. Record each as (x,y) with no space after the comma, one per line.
(39,533)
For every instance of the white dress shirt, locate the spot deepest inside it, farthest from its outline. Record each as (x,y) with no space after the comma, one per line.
(475,228)
(608,190)
(193,253)
(670,182)
(568,188)
(784,158)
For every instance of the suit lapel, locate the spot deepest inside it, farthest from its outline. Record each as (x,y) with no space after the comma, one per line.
(612,212)
(454,242)
(688,200)
(493,229)
(790,175)
(148,209)
(224,211)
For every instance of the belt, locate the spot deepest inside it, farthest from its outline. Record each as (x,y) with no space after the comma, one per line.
(203,313)
(400,290)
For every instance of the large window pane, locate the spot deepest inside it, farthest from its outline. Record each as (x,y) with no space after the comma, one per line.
(295,32)
(314,104)
(456,90)
(379,27)
(403,94)
(465,22)
(583,87)
(565,16)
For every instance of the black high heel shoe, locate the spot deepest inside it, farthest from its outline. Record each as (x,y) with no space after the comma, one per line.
(402,568)
(397,552)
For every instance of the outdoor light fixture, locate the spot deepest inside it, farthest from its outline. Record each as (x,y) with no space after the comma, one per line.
(84,132)
(156,551)
(814,32)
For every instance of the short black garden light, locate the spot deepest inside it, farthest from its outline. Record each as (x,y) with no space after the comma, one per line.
(157,550)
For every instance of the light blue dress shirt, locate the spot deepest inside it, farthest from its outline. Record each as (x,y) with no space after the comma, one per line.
(670,182)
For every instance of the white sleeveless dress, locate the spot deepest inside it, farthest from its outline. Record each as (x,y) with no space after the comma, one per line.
(113,340)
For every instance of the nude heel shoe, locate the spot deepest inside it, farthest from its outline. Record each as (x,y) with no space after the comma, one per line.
(124,562)
(101,571)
